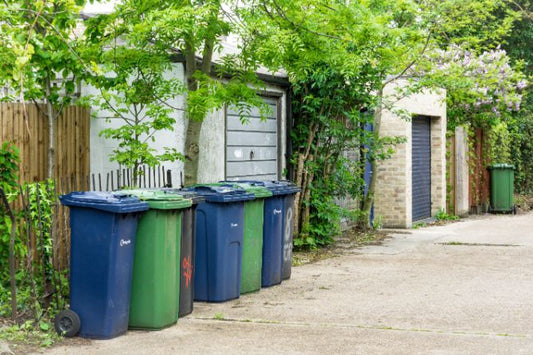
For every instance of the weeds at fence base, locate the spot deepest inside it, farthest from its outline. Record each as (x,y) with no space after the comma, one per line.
(30,336)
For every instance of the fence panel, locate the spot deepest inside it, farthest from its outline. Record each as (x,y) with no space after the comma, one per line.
(450,175)
(479,177)
(27,128)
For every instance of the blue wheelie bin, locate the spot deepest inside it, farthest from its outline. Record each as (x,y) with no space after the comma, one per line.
(103,227)
(219,238)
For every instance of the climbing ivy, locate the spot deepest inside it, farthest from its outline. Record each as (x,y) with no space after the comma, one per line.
(9,159)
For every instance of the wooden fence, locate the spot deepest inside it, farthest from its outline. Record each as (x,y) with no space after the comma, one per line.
(479,174)
(478,179)
(451,169)
(27,128)
(59,231)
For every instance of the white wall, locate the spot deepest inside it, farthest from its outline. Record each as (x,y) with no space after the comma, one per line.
(101,147)
(212,138)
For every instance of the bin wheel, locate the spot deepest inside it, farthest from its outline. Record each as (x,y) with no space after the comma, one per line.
(67,323)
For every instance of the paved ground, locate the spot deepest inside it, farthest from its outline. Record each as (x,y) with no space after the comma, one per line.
(463,288)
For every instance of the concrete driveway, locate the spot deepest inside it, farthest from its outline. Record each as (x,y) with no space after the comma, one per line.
(463,288)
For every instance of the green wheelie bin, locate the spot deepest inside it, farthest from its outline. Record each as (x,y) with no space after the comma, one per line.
(156,266)
(252,248)
(502,188)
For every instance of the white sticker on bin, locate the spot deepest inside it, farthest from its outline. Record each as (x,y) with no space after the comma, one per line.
(233,225)
(124,242)
(277,211)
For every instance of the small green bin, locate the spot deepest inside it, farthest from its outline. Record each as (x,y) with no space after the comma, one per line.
(501,188)
(156,266)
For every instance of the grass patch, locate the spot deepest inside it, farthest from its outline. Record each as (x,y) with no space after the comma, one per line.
(28,335)
(219,316)
(418,225)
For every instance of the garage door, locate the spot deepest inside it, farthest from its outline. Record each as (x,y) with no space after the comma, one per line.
(421,179)
(252,148)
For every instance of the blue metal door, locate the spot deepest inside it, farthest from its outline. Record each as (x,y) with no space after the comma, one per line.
(421,160)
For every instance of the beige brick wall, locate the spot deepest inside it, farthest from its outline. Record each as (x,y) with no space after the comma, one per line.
(393,198)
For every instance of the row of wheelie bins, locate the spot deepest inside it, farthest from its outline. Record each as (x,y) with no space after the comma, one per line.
(139,258)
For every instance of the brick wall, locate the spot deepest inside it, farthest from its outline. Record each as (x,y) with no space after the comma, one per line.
(393,198)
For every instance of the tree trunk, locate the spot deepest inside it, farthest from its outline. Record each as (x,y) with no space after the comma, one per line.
(194,128)
(192,152)
(192,137)
(301,177)
(51,131)
(368,201)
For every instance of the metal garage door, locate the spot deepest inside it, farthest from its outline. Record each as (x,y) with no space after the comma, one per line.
(252,148)
(421,179)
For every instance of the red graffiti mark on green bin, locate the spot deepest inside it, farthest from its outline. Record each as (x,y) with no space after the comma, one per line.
(187,270)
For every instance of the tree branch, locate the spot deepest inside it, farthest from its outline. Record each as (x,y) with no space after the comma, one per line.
(413,62)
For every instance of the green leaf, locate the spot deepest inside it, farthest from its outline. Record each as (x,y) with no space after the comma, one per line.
(45,326)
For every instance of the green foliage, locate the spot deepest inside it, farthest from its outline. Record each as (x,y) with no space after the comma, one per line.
(32,333)
(378,222)
(499,144)
(483,89)
(519,46)
(418,225)
(38,50)
(521,147)
(478,24)
(443,216)
(519,41)
(131,53)
(42,289)
(9,159)
(219,316)
(132,78)
(327,125)
(324,223)
(42,62)
(337,56)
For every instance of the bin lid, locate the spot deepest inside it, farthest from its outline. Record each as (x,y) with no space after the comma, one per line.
(114,202)
(160,199)
(282,187)
(501,166)
(221,192)
(258,190)
(191,195)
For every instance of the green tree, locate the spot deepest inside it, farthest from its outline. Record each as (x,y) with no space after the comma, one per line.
(141,38)
(135,86)
(519,45)
(338,56)
(482,89)
(358,47)
(474,24)
(41,63)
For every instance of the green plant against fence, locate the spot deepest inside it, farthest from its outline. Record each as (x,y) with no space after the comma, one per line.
(41,282)
(33,283)
(9,159)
